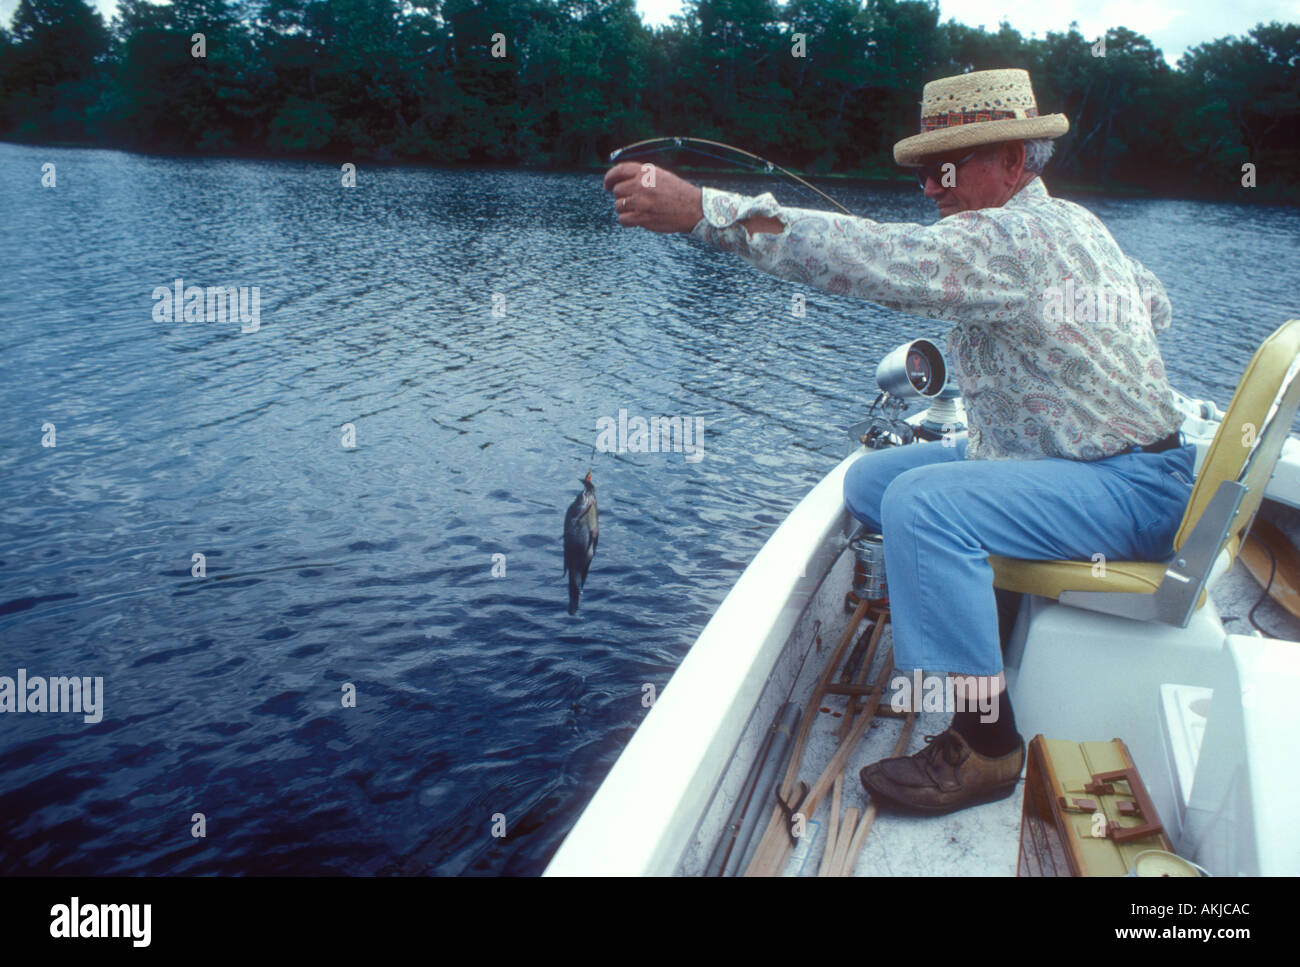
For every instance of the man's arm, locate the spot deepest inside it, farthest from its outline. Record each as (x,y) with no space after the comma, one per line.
(943,271)
(676,206)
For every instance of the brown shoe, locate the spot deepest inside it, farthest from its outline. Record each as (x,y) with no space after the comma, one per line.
(944,776)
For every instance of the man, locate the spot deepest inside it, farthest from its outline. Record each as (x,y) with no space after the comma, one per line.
(1073,447)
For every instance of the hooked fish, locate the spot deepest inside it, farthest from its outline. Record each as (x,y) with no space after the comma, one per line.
(580,535)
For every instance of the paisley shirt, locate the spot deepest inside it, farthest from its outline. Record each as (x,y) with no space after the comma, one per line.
(1053,341)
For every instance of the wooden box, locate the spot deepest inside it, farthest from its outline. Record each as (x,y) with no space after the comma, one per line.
(1086,812)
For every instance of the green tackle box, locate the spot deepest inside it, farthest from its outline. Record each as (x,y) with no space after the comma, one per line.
(1086,811)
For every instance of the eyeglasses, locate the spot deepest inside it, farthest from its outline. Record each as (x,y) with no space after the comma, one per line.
(925,172)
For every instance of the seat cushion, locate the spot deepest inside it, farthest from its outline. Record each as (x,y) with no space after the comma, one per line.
(1050,578)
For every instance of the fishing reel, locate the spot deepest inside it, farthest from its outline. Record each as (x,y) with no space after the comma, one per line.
(885,425)
(915,370)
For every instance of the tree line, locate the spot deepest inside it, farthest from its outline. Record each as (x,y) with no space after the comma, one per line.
(560,83)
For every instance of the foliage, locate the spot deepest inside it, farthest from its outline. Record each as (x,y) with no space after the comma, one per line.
(562,82)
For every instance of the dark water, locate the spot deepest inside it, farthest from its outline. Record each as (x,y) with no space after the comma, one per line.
(479,700)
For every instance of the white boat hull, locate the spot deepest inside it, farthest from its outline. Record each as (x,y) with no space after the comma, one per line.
(1071,674)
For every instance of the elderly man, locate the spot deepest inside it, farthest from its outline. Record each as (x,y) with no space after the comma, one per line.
(1073,448)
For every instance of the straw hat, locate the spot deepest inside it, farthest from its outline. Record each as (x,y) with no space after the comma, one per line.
(981,107)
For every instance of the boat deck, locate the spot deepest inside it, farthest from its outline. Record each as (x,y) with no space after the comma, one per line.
(982,840)
(979,841)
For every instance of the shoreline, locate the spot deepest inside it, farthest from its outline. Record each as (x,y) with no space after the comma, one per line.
(869,177)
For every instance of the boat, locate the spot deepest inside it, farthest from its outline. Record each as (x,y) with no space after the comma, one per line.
(1158,654)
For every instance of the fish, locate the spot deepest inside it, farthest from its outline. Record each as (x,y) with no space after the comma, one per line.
(580,536)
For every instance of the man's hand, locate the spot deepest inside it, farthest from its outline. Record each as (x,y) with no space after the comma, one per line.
(650,197)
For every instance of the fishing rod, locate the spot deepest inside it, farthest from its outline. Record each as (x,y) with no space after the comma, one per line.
(653,145)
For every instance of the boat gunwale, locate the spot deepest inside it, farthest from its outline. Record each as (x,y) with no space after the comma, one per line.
(688,739)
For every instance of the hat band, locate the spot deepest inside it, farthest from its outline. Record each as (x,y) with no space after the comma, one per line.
(955,119)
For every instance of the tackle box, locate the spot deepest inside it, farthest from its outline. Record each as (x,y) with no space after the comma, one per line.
(1086,811)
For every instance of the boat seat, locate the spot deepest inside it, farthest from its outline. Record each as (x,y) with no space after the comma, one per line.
(1226,495)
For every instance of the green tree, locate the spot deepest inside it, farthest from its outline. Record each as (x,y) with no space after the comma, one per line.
(561,82)
(49,67)
(1244,103)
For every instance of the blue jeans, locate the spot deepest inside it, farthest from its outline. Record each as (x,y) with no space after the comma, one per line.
(942,516)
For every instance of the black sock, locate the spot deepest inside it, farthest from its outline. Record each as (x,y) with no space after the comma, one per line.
(995,738)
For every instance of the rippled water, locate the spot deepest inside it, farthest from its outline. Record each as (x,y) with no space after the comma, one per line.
(479,700)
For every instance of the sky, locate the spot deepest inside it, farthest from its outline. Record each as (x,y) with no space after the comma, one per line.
(1172,25)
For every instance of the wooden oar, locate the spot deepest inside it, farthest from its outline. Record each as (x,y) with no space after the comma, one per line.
(774,849)
(855,656)
(850,859)
(810,714)
(852,707)
(841,757)
(844,845)
(828,856)
(776,836)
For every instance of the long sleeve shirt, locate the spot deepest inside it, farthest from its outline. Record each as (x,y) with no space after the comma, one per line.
(1053,338)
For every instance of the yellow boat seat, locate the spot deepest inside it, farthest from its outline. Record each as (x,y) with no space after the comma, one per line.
(1226,495)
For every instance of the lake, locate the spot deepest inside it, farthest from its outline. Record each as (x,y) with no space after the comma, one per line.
(314,553)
